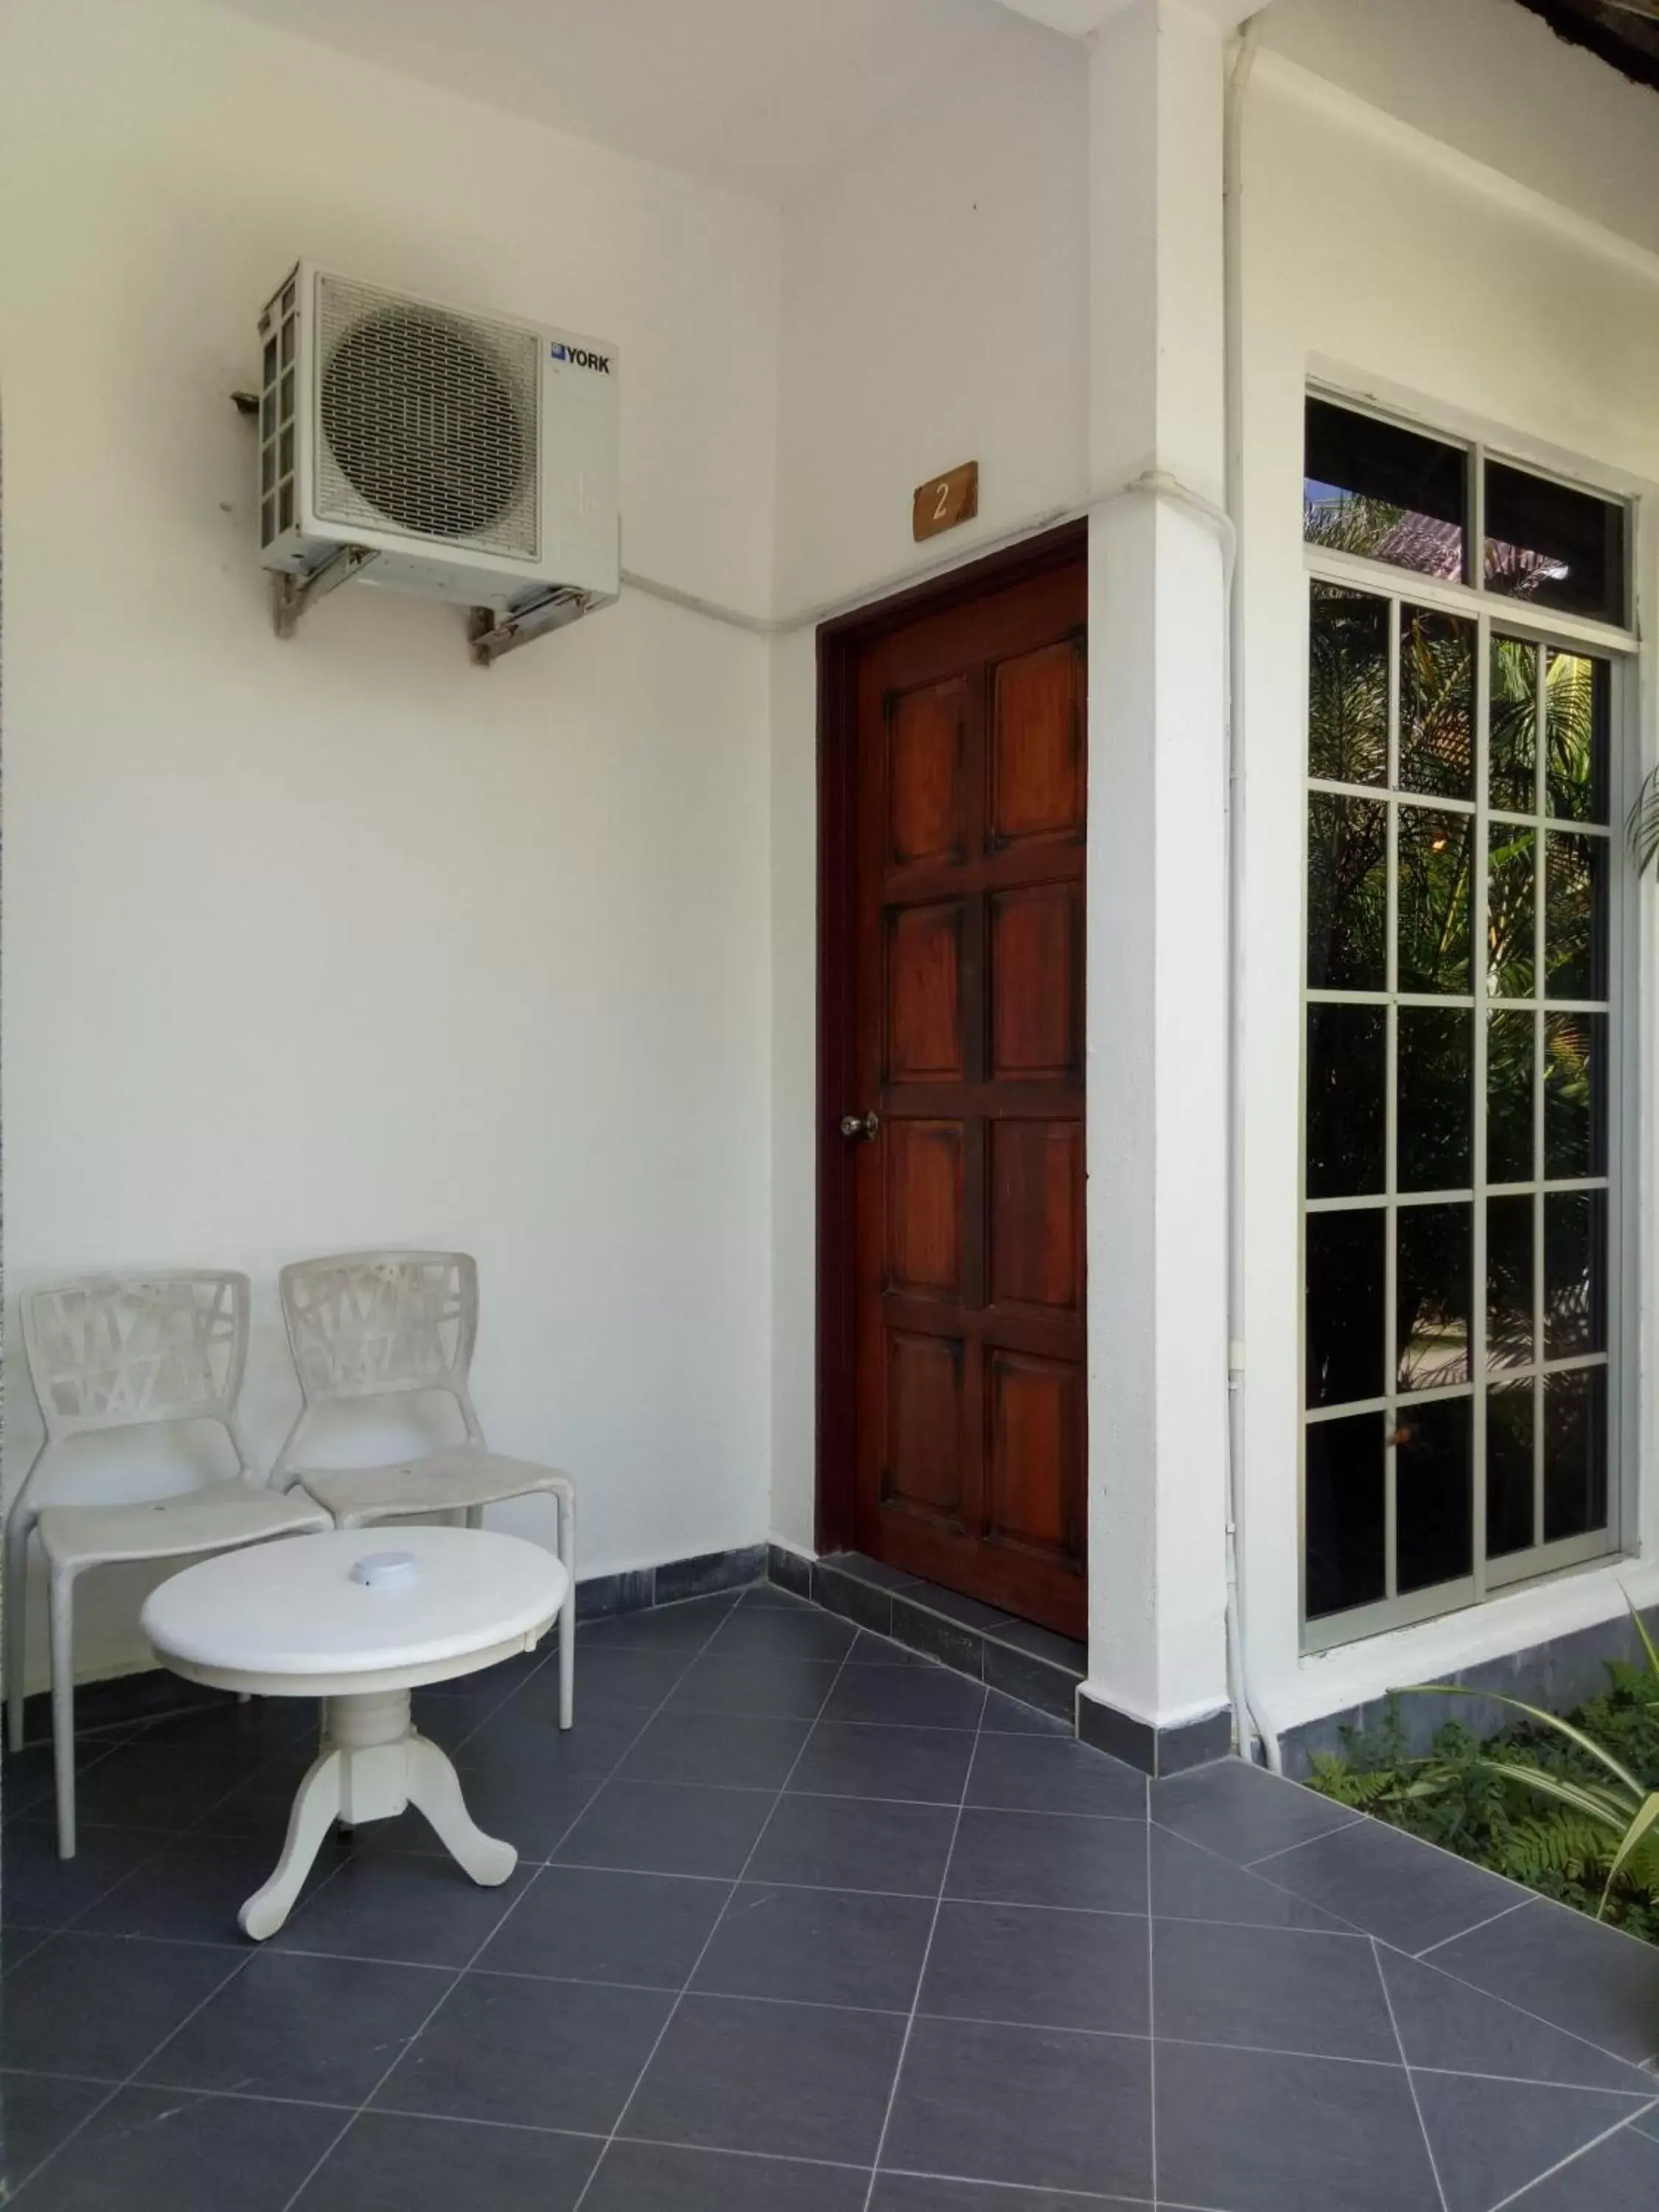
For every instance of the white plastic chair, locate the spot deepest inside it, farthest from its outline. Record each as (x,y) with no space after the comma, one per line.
(380,1324)
(117,1352)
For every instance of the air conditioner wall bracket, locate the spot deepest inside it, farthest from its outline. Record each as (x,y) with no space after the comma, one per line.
(489,634)
(291,595)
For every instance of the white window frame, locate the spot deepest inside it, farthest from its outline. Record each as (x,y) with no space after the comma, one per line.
(1619,645)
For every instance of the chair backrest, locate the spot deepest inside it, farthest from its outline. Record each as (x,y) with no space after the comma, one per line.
(114,1352)
(369,1324)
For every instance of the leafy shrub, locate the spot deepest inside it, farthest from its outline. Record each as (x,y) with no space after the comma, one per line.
(1557,1805)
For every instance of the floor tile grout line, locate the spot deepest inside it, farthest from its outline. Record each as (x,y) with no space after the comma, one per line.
(921,1972)
(1571,2159)
(1152,2002)
(410,2041)
(719,1921)
(1430,1949)
(131,2079)
(1417,2106)
(1496,1997)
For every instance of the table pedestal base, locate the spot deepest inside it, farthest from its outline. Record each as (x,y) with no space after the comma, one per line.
(372,1765)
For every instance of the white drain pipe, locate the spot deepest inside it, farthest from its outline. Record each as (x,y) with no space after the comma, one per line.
(1249,1722)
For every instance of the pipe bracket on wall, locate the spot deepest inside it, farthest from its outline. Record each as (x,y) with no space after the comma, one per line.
(489,634)
(291,595)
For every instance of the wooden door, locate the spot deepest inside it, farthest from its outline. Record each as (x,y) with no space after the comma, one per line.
(967,811)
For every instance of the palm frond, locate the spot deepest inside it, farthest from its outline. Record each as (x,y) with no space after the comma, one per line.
(1643,826)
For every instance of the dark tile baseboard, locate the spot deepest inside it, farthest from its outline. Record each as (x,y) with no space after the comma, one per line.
(640,1588)
(154,1693)
(1156,1751)
(1030,1663)
(1558,1673)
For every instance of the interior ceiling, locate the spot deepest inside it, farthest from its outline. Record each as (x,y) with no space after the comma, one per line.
(1623,32)
(757,96)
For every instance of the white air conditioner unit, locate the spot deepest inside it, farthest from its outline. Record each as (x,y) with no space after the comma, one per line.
(430,449)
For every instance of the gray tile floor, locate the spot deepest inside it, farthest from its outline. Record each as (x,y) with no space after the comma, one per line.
(802,1922)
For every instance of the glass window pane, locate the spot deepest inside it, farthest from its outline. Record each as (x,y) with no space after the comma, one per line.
(1437,704)
(1347,686)
(1510,1286)
(1553,545)
(1574,1273)
(1433,1254)
(1346,1514)
(1575,1453)
(1434,1494)
(1435,1123)
(1577,709)
(1510,1468)
(1348,893)
(1511,910)
(1576,918)
(1347,1070)
(1346,1345)
(1512,733)
(1575,1095)
(1436,851)
(1390,494)
(1511,1070)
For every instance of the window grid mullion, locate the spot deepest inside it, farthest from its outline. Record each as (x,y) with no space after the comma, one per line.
(1481,954)
(1391,1136)
(1540,987)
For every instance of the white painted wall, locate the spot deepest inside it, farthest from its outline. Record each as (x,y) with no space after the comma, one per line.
(1379,259)
(935,310)
(343,942)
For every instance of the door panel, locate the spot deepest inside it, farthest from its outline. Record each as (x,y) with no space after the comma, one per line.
(967,803)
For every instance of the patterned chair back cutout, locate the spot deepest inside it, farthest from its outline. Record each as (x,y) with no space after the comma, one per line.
(368,1323)
(111,1352)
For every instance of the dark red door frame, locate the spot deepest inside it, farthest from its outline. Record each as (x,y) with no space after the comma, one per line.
(840,644)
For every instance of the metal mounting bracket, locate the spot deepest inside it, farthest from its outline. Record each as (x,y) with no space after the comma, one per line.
(489,634)
(291,595)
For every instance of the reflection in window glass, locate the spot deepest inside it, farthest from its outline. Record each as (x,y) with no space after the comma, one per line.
(1574,1273)
(1348,1071)
(1390,493)
(1346,1514)
(1437,704)
(1510,1468)
(1511,910)
(1347,686)
(1577,707)
(1553,545)
(1575,1095)
(1344,1335)
(1433,1254)
(1576,916)
(1434,1494)
(1434,855)
(1512,741)
(1511,1057)
(1435,1117)
(1575,1453)
(1510,1293)
(1347,894)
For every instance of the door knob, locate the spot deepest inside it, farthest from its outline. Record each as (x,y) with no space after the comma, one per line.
(861,1125)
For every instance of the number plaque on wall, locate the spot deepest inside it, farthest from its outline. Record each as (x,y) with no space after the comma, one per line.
(944,501)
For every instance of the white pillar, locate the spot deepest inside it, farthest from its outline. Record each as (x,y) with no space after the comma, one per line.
(1157,1007)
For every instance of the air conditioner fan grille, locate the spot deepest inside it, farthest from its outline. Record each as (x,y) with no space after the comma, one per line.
(427,420)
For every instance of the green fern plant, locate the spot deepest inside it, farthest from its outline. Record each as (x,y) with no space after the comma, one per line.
(1484,1800)
(1612,1817)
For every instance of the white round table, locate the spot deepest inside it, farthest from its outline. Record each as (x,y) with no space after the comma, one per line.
(287,1619)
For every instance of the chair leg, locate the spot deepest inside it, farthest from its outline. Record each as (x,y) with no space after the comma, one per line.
(17,1595)
(568,1612)
(475,1517)
(61,1608)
